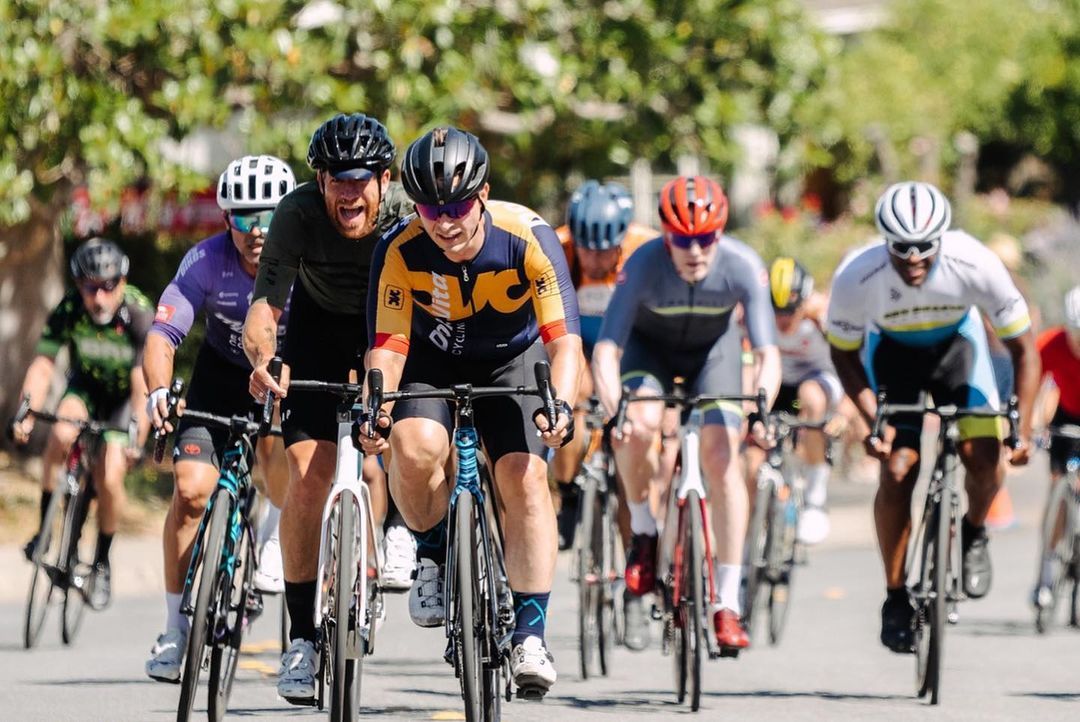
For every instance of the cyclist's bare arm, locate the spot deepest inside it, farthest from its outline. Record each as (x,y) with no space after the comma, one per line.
(1026,365)
(856,385)
(605,369)
(138,404)
(158,359)
(260,345)
(36,387)
(767,367)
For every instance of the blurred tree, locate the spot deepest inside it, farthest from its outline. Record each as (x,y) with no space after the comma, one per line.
(91,90)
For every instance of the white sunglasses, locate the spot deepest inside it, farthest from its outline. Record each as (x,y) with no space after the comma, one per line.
(915,251)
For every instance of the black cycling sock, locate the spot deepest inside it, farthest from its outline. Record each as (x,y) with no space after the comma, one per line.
(431,544)
(896,593)
(300,599)
(569,492)
(969,532)
(104,543)
(46,497)
(530,615)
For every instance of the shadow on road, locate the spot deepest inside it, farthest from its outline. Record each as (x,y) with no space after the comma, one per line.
(792,694)
(1060,696)
(94,682)
(994,628)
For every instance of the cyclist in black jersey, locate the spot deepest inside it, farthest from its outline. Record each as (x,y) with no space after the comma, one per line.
(103,323)
(321,236)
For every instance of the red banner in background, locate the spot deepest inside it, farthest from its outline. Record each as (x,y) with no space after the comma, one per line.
(139,213)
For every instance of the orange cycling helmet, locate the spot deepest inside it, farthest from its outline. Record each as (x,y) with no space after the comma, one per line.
(693,205)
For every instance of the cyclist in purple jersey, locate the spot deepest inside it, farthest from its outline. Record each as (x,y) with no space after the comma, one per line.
(671,315)
(216,276)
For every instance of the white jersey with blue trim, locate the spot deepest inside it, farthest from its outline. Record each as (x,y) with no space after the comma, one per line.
(868,295)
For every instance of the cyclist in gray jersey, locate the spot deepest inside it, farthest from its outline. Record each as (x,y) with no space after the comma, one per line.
(671,315)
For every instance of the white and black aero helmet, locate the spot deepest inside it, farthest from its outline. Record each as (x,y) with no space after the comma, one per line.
(444,166)
(100,259)
(254,182)
(1072,308)
(351,141)
(912,212)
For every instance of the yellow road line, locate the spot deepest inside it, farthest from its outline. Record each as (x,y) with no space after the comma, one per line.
(266,645)
(448,714)
(835,593)
(257,666)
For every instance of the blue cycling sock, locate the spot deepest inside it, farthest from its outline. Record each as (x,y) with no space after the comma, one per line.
(530,613)
(431,544)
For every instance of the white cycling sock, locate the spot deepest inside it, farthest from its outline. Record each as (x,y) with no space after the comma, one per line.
(728,579)
(641,518)
(269,528)
(817,480)
(174,619)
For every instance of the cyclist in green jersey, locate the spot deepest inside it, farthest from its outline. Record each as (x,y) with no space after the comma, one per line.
(103,322)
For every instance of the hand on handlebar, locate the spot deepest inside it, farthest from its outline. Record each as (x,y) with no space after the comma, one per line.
(564,425)
(1020,455)
(261,381)
(372,441)
(877,447)
(21,431)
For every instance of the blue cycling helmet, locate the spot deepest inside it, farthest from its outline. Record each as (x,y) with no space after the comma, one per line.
(599,215)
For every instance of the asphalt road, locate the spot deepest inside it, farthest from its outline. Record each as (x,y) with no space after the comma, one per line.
(829,666)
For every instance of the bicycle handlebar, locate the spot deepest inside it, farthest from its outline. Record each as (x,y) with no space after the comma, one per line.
(239,424)
(85,426)
(172,400)
(274,368)
(946,412)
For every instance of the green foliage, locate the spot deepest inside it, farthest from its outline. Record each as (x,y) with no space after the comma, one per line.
(801,235)
(90,90)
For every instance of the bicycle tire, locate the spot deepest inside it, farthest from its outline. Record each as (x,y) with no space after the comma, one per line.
(927,555)
(945,541)
(785,523)
(74,607)
(587,579)
(470,648)
(41,582)
(343,670)
(695,601)
(232,611)
(210,566)
(757,546)
(1060,555)
(605,608)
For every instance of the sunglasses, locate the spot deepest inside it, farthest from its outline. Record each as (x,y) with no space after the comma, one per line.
(454,211)
(915,251)
(704,240)
(248,222)
(92,287)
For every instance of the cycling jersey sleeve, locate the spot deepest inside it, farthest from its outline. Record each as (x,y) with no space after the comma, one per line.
(999,298)
(845,320)
(629,289)
(280,259)
(57,331)
(553,295)
(758,315)
(142,319)
(182,298)
(389,315)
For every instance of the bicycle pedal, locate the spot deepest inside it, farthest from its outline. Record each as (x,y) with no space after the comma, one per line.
(531,692)
(302,701)
(732,652)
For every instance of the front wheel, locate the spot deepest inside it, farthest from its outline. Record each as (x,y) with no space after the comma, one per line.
(231,605)
(47,556)
(1056,550)
(467,624)
(203,617)
(588,580)
(782,550)
(757,590)
(74,595)
(344,688)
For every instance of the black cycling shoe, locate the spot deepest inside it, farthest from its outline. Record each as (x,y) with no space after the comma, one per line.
(976,562)
(898,622)
(100,586)
(636,636)
(568,514)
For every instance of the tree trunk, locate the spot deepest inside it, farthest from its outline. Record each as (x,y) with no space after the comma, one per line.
(31,284)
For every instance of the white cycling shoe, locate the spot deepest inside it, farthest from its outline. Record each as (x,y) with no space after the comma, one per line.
(532,666)
(270,576)
(167,656)
(400,558)
(813,526)
(296,676)
(426,606)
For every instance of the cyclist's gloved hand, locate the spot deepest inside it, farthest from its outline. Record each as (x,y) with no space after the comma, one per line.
(563,433)
(759,432)
(369,443)
(157,408)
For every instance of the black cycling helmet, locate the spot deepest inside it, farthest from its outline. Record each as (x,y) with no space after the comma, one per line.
(100,259)
(599,215)
(790,283)
(444,166)
(351,141)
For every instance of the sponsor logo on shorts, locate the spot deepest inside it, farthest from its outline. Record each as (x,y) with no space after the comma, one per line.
(192,449)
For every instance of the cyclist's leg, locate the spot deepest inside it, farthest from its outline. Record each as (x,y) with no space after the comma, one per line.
(57,446)
(109,474)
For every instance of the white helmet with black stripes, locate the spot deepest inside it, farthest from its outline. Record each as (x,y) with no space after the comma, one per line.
(912,212)
(254,182)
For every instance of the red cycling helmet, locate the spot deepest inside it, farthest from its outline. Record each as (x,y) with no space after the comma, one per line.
(693,205)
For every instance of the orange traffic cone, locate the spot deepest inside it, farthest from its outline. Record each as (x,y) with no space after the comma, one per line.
(1001,514)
